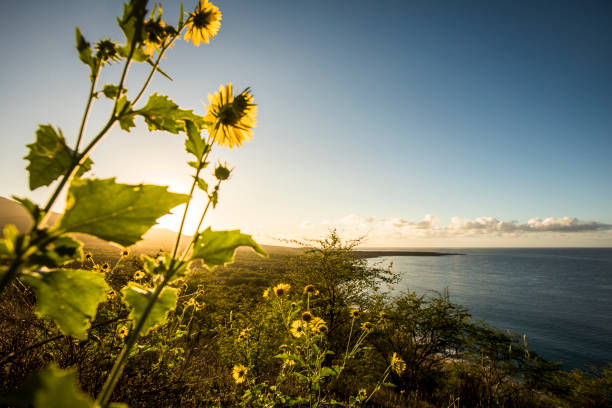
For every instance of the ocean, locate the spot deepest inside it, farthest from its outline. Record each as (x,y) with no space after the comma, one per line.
(561,299)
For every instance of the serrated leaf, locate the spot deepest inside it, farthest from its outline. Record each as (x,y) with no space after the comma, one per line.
(68,296)
(57,252)
(138,297)
(194,143)
(53,388)
(218,247)
(160,113)
(49,157)
(116,212)
(84,49)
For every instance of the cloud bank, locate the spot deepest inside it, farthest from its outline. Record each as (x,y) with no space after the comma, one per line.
(430,226)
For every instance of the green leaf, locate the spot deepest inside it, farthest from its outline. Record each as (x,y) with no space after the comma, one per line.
(53,388)
(327,371)
(84,49)
(115,212)
(33,209)
(50,157)
(132,24)
(195,143)
(68,296)
(10,240)
(218,247)
(202,184)
(127,115)
(111,91)
(138,297)
(160,113)
(57,252)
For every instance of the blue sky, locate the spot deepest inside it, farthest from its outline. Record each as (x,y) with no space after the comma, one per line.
(372,115)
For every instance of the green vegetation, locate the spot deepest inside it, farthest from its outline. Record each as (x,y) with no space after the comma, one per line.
(186,325)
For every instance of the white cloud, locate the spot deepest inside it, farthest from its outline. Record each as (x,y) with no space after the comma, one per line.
(429,226)
(306,224)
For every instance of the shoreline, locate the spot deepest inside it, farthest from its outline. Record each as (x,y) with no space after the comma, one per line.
(377,254)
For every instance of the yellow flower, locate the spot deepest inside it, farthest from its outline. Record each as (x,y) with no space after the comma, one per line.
(317,325)
(289,363)
(384,316)
(124,252)
(199,305)
(155,35)
(105,267)
(281,289)
(139,275)
(298,328)
(367,326)
(309,289)
(232,118)
(203,24)
(122,332)
(239,373)
(354,313)
(243,335)
(397,364)
(362,394)
(266,293)
(89,256)
(110,295)
(283,347)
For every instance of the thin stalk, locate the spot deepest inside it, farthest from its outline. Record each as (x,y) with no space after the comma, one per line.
(94,81)
(195,181)
(197,230)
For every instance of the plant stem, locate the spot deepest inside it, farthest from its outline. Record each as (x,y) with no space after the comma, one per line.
(94,81)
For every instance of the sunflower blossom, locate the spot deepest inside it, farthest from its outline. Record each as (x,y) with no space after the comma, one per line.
(239,373)
(281,289)
(203,24)
(397,364)
(298,328)
(232,118)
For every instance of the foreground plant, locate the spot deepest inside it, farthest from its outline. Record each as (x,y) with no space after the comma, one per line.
(122,213)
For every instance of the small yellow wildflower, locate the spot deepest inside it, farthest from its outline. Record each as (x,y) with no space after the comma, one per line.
(266,293)
(384,316)
(367,326)
(289,363)
(239,373)
(362,394)
(155,35)
(203,24)
(232,118)
(354,313)
(309,289)
(89,256)
(138,275)
(298,328)
(124,252)
(122,332)
(199,305)
(281,289)
(316,324)
(322,329)
(243,335)
(105,267)
(397,364)
(96,268)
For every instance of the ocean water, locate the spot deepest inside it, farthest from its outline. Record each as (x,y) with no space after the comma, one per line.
(561,299)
